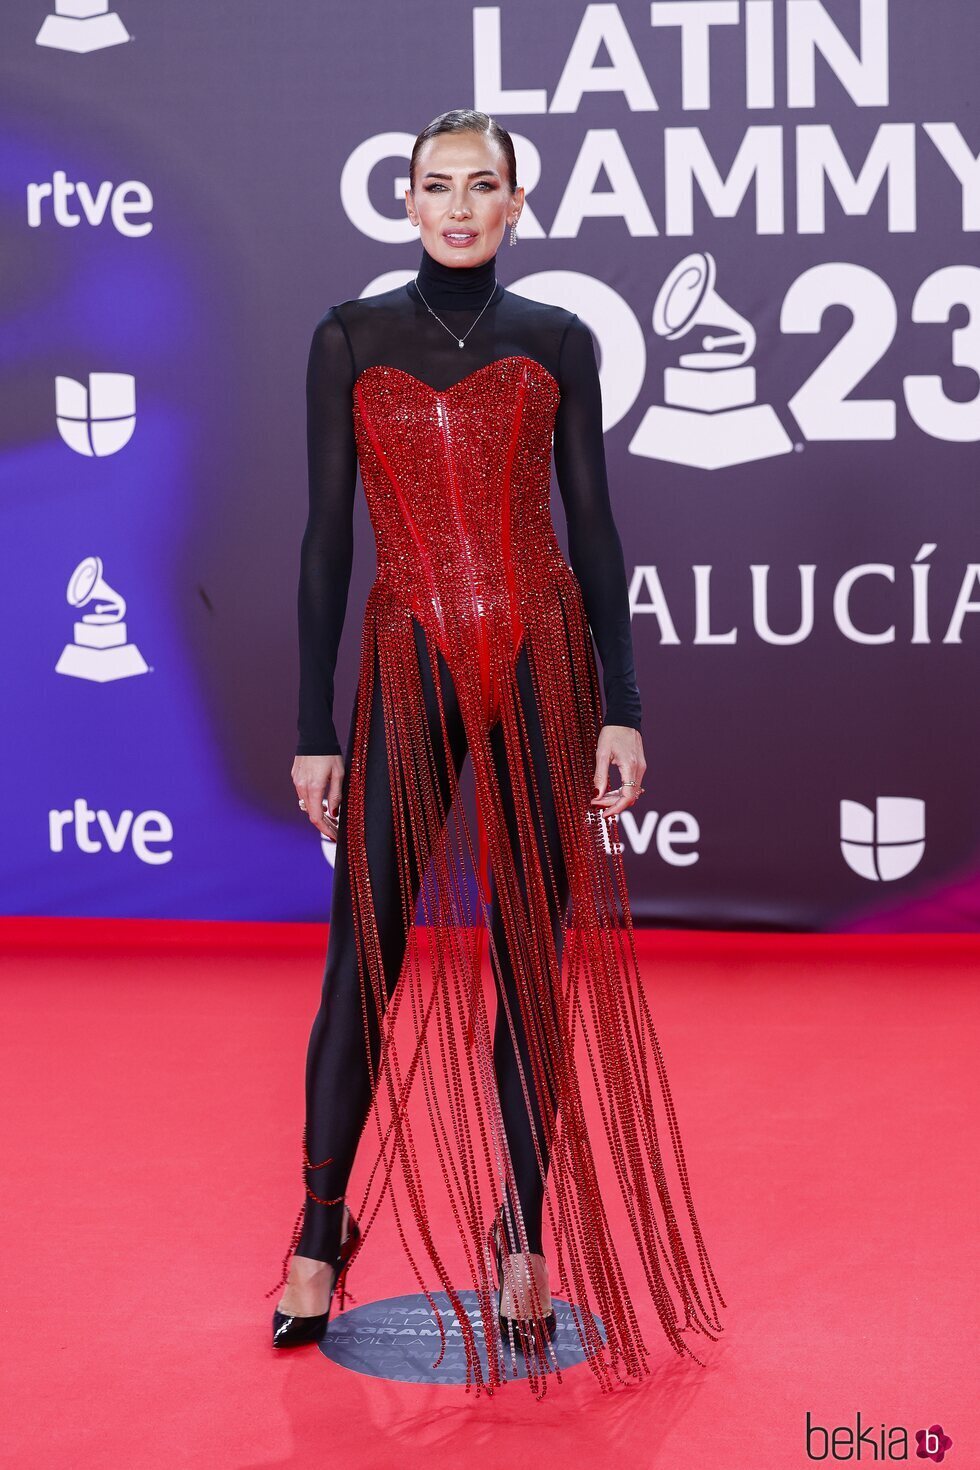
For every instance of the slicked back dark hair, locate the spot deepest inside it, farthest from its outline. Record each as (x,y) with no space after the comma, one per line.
(466,120)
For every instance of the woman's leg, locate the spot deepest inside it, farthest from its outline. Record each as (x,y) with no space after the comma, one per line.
(338,1086)
(517,1123)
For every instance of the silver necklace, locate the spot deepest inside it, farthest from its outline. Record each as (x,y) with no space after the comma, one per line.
(459,340)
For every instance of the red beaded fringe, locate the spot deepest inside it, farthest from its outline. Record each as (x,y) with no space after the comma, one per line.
(598,1039)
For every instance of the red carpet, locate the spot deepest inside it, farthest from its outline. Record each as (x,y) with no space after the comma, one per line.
(152,1092)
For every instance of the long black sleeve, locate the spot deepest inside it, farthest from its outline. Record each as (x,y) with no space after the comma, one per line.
(326,553)
(595,551)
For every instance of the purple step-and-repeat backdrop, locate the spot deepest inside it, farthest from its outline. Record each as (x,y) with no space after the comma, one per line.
(768,214)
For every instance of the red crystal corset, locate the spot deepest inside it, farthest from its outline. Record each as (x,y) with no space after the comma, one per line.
(457,482)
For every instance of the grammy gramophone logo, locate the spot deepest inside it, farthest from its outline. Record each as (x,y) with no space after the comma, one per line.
(81,25)
(710,417)
(100,651)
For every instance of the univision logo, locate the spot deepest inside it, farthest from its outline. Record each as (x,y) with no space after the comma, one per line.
(886,841)
(98,419)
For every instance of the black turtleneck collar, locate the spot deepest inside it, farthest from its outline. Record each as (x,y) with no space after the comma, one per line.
(460,287)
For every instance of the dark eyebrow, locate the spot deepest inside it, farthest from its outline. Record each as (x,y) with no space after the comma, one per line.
(474,174)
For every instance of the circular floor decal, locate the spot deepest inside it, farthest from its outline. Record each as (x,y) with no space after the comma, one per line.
(399,1339)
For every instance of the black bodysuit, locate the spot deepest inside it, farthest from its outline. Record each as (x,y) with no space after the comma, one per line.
(397,329)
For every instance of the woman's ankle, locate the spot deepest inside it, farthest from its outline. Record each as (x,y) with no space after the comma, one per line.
(309,1265)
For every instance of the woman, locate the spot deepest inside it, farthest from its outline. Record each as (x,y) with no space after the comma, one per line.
(446,393)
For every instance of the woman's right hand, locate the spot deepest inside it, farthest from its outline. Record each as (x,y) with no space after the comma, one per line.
(316,777)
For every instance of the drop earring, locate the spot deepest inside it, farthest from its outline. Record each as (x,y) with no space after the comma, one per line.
(513,233)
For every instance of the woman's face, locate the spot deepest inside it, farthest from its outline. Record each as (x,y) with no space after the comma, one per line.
(462,202)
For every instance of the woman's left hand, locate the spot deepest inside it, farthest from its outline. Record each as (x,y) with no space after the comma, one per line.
(621,746)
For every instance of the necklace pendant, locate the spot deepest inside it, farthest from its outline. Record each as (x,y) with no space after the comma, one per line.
(460,341)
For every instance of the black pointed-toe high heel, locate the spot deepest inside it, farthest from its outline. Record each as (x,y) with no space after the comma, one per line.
(292,1331)
(520,1329)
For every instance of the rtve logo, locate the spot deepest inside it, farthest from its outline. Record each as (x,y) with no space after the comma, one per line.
(139,829)
(98,418)
(886,842)
(80,26)
(121,201)
(667,830)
